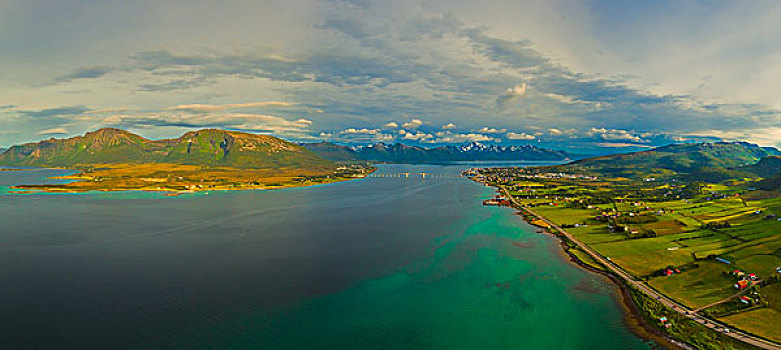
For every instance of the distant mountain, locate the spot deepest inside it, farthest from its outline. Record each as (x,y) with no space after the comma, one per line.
(208,147)
(332,151)
(400,153)
(689,159)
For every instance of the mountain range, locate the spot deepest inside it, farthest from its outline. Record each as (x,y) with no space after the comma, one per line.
(400,153)
(209,147)
(708,161)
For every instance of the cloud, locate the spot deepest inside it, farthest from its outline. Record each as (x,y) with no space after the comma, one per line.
(762,136)
(621,145)
(487,130)
(56,112)
(55,131)
(412,124)
(234,121)
(84,73)
(216,108)
(419,136)
(450,137)
(519,136)
(363,63)
(361,131)
(510,94)
(391,125)
(614,135)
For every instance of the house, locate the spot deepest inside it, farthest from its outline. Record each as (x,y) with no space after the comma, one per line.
(668,272)
(741,284)
(745,300)
(752,276)
(737,273)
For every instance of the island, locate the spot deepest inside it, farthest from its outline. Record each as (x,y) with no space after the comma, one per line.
(113,160)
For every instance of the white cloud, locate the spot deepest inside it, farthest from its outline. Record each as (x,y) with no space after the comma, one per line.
(412,124)
(420,136)
(55,131)
(553,131)
(621,145)
(363,131)
(614,135)
(449,126)
(391,125)
(449,137)
(511,93)
(487,130)
(770,136)
(217,108)
(519,136)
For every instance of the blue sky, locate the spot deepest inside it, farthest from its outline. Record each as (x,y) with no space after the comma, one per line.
(599,76)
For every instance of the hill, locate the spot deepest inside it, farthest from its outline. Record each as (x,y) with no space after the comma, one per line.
(400,153)
(703,160)
(208,147)
(767,167)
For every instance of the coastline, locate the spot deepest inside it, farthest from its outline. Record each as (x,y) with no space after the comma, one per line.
(173,185)
(637,301)
(633,316)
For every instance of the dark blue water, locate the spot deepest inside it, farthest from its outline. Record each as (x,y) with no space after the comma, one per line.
(385,262)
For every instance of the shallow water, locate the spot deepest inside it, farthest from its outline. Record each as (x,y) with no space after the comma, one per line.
(381,262)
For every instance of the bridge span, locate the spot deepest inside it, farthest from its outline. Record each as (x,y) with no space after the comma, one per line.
(413,175)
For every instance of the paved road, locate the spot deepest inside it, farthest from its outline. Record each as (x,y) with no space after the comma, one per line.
(745,337)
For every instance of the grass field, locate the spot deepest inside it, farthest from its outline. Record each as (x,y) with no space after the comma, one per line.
(177,177)
(688,232)
(700,286)
(763,322)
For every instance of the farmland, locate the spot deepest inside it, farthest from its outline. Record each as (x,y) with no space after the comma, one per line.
(690,241)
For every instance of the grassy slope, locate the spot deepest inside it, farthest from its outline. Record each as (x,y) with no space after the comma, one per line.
(711,159)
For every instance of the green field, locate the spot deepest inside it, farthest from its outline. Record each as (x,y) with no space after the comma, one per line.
(657,226)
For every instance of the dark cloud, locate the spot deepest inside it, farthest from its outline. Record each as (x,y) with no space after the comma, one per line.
(84,73)
(56,112)
(364,69)
(517,54)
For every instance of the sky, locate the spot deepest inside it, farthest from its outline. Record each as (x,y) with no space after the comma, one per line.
(579,75)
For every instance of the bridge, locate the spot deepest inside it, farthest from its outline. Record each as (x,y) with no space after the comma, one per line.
(413,175)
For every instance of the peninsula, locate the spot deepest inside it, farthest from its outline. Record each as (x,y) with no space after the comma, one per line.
(112,159)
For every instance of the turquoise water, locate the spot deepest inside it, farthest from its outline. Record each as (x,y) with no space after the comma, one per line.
(371,263)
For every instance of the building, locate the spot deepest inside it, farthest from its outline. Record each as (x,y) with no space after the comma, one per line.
(742,284)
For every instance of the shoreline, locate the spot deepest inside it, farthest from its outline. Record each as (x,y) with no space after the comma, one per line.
(634,318)
(79,180)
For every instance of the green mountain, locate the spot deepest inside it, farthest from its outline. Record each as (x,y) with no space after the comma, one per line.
(709,161)
(766,167)
(208,147)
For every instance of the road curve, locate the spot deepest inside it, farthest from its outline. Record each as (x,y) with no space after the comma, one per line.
(707,322)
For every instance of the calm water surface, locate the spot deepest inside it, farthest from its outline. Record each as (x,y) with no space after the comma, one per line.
(384,262)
